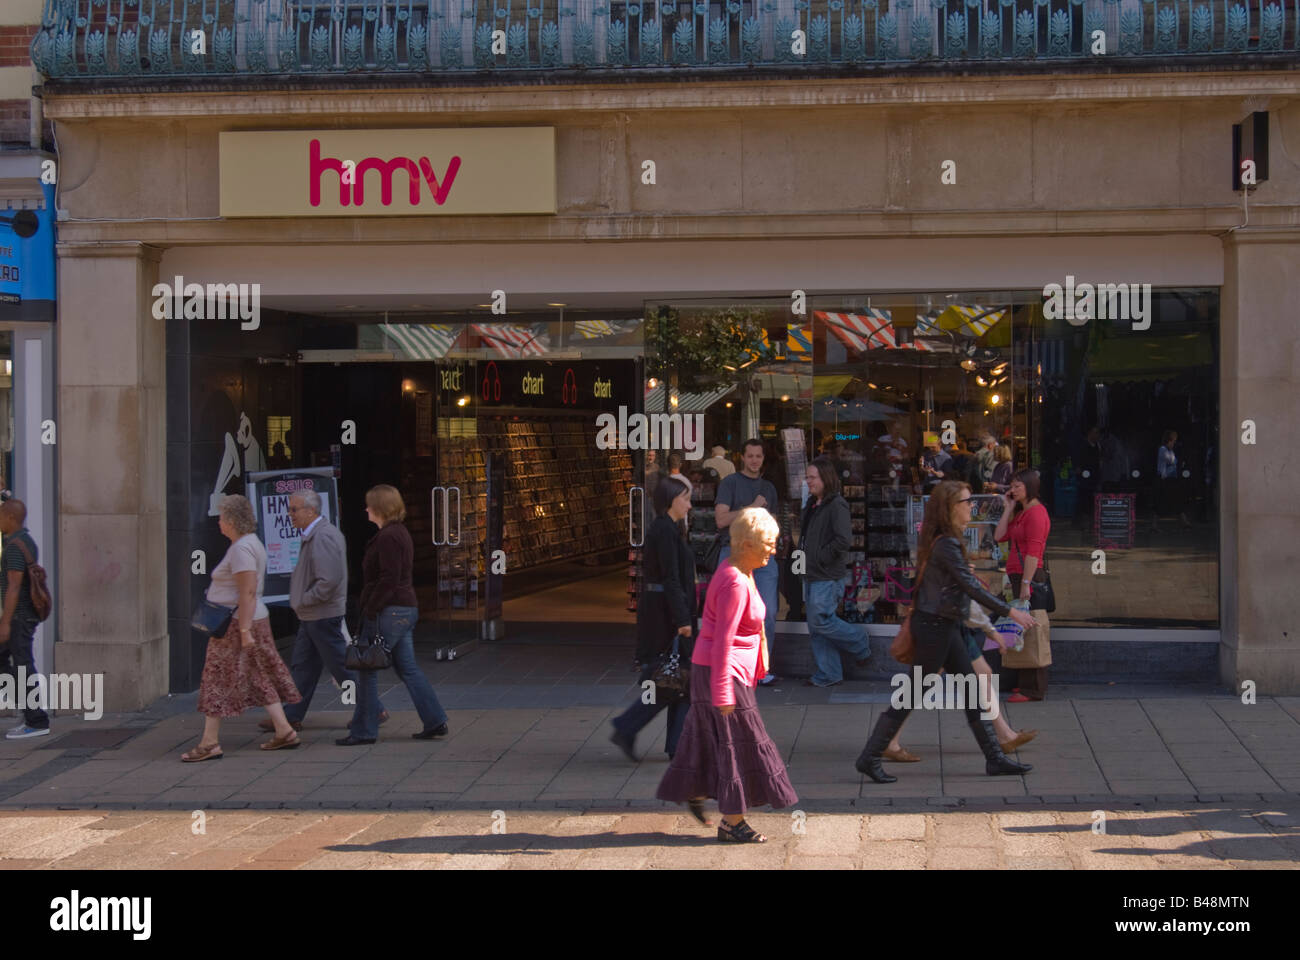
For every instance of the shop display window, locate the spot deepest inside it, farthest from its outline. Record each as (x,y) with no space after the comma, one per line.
(901,391)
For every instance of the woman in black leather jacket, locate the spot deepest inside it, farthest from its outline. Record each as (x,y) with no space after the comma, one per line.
(943,597)
(667,612)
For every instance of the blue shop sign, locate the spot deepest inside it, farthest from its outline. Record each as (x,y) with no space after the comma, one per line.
(27,263)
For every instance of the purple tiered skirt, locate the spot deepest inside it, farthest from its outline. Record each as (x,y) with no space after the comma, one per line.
(730,758)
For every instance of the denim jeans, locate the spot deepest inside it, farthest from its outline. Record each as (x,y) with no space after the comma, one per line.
(19,654)
(396,625)
(828,633)
(319,643)
(767,578)
(634,718)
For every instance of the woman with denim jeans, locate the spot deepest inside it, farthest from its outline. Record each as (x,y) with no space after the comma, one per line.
(388,607)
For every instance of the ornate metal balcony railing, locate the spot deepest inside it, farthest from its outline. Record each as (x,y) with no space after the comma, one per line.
(191,38)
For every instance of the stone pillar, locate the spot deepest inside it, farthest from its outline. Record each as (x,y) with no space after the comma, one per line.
(1260,521)
(112,476)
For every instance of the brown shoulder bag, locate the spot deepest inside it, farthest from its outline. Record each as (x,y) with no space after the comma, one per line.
(903,649)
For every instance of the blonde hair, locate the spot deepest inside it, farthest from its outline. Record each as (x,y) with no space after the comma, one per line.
(751,526)
(1003,454)
(387,502)
(238,512)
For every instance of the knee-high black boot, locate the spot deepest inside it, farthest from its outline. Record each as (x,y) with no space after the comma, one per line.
(995,761)
(886,729)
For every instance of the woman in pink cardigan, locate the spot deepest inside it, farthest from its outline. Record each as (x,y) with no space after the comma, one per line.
(724,751)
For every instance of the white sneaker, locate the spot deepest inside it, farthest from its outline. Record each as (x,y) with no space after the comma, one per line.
(24,732)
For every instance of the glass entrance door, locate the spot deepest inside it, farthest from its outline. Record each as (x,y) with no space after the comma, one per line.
(457,501)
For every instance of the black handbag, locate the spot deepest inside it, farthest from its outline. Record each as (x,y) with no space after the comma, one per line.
(1041,595)
(368,652)
(713,556)
(211,619)
(672,673)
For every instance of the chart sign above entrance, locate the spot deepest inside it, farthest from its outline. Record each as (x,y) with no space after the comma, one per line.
(387,173)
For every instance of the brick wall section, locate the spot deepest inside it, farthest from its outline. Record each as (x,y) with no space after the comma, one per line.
(15,122)
(15,45)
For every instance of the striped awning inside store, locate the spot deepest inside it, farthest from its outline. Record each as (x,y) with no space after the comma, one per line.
(974,320)
(798,343)
(423,341)
(656,400)
(868,329)
(511,341)
(595,329)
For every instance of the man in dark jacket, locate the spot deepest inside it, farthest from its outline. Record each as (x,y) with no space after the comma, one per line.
(827,535)
(318,594)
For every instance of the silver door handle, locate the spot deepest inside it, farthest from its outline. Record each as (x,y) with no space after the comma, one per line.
(631,512)
(450,542)
(433,515)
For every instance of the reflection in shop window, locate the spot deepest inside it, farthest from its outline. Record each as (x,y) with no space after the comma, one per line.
(905,399)
(902,391)
(278,437)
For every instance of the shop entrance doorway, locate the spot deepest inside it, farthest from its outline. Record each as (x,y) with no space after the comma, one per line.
(524,522)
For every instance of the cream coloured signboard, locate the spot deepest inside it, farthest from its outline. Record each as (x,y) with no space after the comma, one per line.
(387,173)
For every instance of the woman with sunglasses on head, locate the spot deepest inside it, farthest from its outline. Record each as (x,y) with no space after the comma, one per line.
(943,595)
(1025,523)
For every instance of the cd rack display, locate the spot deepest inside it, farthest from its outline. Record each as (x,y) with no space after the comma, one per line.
(461,462)
(888,554)
(564,497)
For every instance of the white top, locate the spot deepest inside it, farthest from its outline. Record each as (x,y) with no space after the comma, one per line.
(722,466)
(245,554)
(1166,463)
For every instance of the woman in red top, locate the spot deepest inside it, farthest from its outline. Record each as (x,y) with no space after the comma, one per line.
(724,751)
(1026,524)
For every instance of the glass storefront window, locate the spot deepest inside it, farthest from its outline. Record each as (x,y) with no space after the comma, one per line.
(902,390)
(911,390)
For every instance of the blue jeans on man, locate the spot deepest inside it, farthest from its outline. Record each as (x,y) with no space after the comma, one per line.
(828,633)
(22,633)
(397,626)
(320,643)
(767,578)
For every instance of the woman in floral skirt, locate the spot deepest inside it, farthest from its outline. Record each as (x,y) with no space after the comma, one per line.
(242,668)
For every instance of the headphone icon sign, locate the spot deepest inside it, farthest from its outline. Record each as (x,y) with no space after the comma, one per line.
(570,384)
(495,392)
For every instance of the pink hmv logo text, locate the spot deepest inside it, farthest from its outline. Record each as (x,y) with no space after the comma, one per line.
(352,177)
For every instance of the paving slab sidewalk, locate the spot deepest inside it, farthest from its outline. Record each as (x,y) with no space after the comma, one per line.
(911,836)
(1157,747)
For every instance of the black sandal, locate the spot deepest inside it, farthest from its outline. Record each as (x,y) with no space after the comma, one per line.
(697,811)
(739,833)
